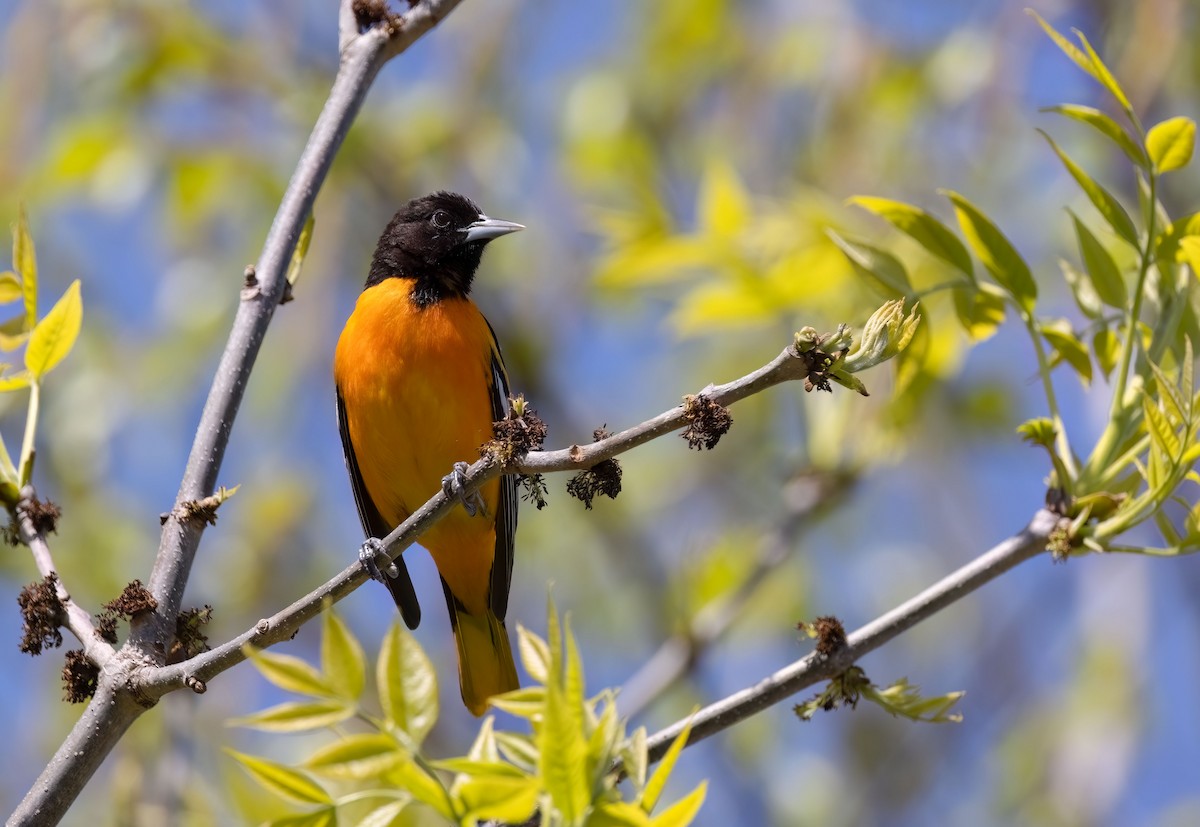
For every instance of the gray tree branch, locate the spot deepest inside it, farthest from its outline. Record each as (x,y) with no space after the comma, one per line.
(723,714)
(118,701)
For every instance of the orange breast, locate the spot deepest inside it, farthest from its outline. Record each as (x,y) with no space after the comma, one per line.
(415,382)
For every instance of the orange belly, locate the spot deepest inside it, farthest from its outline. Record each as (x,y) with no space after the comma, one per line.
(415,382)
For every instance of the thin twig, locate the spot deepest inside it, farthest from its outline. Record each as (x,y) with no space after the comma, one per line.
(1030,542)
(805,497)
(78,621)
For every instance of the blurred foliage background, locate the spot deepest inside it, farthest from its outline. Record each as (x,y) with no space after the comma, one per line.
(677,164)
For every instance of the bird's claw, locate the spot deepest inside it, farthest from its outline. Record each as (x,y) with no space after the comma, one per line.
(453,484)
(369,554)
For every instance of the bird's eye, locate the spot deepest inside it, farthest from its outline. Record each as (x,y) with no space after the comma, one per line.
(441,219)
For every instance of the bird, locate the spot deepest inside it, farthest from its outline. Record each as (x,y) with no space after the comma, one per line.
(420,379)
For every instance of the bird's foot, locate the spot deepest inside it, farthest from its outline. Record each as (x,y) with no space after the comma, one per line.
(453,484)
(369,554)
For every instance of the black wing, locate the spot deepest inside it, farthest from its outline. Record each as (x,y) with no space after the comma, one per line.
(506,511)
(374,525)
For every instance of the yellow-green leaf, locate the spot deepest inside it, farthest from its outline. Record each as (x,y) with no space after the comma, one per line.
(1102,74)
(1103,200)
(880,269)
(1170,143)
(518,750)
(618,814)
(428,790)
(282,780)
(724,205)
(1106,126)
(980,309)
(503,798)
(13,333)
(1062,338)
(1082,288)
(635,759)
(54,336)
(995,251)
(683,812)
(288,672)
(300,250)
(25,263)
(324,817)
(10,287)
(342,661)
(407,684)
(654,787)
(1105,276)
(1068,48)
(560,740)
(1107,347)
(359,757)
(297,716)
(385,815)
(15,381)
(923,228)
(535,654)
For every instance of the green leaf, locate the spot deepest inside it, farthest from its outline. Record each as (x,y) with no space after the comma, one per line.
(54,336)
(288,672)
(902,698)
(1068,48)
(995,251)
(503,798)
(980,309)
(360,756)
(425,788)
(343,664)
(535,654)
(1107,347)
(683,811)
(923,228)
(881,269)
(1106,126)
(1068,347)
(10,287)
(724,205)
(1105,275)
(13,333)
(635,758)
(1162,435)
(560,741)
(618,814)
(296,716)
(526,702)
(385,815)
(519,750)
(1039,431)
(1082,288)
(484,747)
(300,250)
(654,787)
(25,263)
(282,780)
(1101,73)
(407,684)
(324,817)
(1103,200)
(1170,143)
(15,381)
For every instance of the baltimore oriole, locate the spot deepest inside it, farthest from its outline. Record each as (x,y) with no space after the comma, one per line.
(420,380)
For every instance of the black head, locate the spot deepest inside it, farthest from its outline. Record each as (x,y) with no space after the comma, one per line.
(437,242)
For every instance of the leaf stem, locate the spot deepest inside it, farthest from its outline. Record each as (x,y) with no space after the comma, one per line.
(31,420)
(1062,445)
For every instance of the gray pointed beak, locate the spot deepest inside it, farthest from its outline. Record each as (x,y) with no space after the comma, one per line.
(485,229)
